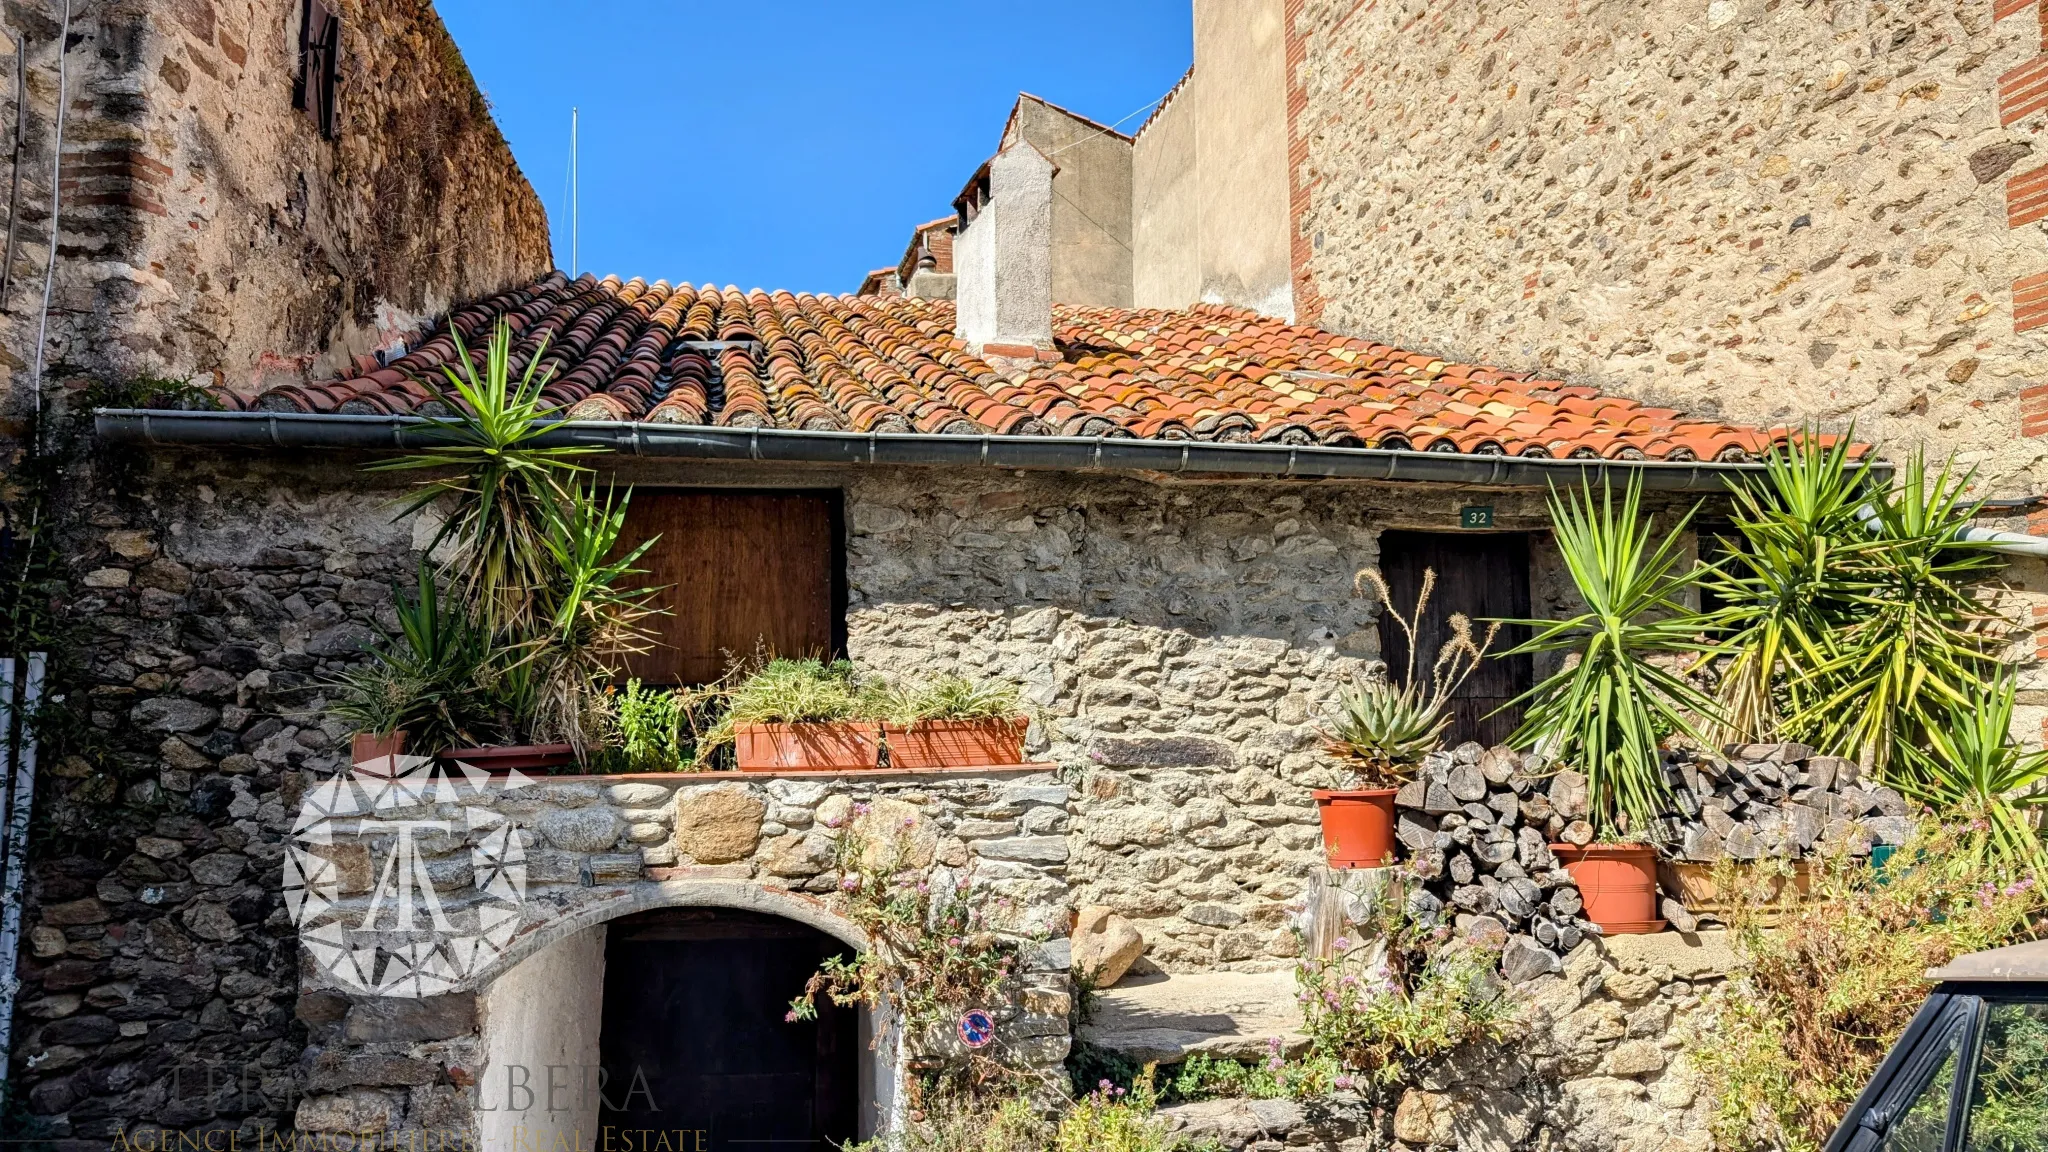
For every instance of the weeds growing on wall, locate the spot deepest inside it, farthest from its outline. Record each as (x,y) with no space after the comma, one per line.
(1830,982)
(930,956)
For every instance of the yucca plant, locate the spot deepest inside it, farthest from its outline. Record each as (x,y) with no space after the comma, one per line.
(433,679)
(499,484)
(1607,712)
(1383,729)
(1786,579)
(1913,642)
(1972,770)
(592,611)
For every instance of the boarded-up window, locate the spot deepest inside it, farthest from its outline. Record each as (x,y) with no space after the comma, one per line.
(1484,575)
(319,64)
(741,570)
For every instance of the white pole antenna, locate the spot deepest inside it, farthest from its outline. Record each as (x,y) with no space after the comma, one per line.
(574,113)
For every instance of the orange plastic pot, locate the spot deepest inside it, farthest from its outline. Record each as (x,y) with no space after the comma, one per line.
(806,747)
(1618,883)
(956,743)
(375,749)
(1358,826)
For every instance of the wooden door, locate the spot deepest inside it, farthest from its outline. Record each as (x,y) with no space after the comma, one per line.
(739,570)
(693,1041)
(1484,575)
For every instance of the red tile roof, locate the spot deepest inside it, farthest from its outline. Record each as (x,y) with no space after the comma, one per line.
(683,355)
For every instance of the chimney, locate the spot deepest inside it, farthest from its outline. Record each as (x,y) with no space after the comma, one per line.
(1002,257)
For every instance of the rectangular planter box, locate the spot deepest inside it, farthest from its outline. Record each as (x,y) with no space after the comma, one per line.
(956,743)
(1693,886)
(524,757)
(798,747)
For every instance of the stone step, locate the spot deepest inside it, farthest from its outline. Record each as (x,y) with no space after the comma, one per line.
(1165,1017)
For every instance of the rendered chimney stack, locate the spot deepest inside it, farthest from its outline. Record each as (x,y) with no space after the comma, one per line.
(1002,257)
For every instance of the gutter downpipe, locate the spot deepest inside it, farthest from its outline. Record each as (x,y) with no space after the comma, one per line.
(767,445)
(2008,543)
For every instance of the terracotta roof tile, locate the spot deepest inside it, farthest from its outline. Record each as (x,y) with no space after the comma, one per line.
(631,350)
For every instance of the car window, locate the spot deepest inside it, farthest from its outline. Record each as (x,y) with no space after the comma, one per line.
(1922,1126)
(2009,1102)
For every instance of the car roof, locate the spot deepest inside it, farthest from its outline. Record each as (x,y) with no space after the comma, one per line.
(2019,962)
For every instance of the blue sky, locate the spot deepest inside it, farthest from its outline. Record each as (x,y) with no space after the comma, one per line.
(788,144)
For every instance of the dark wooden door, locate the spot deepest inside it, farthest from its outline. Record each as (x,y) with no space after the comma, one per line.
(740,570)
(694,1042)
(1485,575)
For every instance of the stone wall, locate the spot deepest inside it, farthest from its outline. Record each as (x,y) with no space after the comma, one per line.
(599,849)
(1597,1064)
(1181,642)
(1770,211)
(210,232)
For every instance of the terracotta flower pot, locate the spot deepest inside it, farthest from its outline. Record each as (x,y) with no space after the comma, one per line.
(371,747)
(1358,826)
(524,757)
(801,747)
(1618,883)
(956,743)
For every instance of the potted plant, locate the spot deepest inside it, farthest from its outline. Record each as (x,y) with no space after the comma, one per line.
(421,686)
(1382,732)
(1617,878)
(953,722)
(795,715)
(1606,712)
(543,596)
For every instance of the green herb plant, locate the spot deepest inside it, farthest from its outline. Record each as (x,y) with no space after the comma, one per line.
(930,955)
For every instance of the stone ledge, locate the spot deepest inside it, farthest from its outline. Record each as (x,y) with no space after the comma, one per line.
(1166,1018)
(802,774)
(1689,955)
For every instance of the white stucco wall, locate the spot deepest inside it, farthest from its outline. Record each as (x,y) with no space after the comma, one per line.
(540,1026)
(1003,258)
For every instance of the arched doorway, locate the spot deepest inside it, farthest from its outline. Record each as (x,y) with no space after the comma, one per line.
(693,995)
(694,1043)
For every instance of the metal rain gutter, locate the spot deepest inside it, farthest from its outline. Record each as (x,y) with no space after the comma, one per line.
(785,446)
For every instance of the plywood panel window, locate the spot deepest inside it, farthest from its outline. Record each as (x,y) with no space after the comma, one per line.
(1484,575)
(319,64)
(741,570)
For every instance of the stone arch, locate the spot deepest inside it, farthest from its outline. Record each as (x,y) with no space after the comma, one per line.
(544,985)
(739,895)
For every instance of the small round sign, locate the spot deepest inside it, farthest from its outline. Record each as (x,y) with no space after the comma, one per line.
(977,1029)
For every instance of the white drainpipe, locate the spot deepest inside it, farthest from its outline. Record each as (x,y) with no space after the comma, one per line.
(2010,543)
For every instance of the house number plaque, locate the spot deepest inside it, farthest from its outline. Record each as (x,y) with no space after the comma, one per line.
(1476,516)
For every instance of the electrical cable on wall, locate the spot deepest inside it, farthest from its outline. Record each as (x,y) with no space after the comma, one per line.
(56,206)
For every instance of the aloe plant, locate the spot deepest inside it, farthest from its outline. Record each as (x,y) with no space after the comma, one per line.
(1383,727)
(1383,731)
(1607,712)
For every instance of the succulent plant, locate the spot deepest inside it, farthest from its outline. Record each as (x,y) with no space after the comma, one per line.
(1383,731)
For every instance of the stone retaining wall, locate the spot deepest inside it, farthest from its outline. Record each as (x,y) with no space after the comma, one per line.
(1600,1067)
(408,1070)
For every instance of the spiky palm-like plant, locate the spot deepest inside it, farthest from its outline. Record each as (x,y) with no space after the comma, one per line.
(500,486)
(1607,712)
(1971,770)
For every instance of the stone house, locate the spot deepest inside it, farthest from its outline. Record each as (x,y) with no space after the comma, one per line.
(1147,517)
